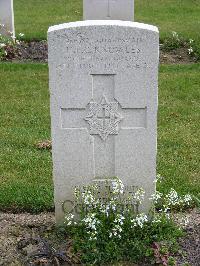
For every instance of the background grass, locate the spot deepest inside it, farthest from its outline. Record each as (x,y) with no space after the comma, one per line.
(33,17)
(25,171)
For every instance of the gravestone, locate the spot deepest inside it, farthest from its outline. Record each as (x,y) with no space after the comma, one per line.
(103,87)
(7,18)
(108,9)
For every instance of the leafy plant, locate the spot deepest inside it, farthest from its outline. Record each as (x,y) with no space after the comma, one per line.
(175,41)
(8,45)
(194,49)
(112,229)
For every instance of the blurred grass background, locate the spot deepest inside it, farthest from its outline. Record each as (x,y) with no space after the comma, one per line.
(33,17)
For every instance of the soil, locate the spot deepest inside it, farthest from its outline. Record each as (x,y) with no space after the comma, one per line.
(178,56)
(37,51)
(22,236)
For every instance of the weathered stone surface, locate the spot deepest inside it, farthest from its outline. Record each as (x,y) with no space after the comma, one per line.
(103,85)
(7,17)
(108,9)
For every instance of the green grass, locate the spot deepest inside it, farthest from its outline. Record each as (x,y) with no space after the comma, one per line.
(33,17)
(25,171)
(178,131)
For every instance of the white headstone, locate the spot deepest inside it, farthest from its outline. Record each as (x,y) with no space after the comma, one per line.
(103,86)
(7,18)
(108,9)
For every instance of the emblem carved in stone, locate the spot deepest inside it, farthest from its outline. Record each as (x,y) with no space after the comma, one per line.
(103,118)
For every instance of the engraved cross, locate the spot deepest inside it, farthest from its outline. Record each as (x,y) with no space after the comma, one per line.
(104,118)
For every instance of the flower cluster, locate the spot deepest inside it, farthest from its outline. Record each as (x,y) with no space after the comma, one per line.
(105,229)
(8,43)
(117,226)
(190,49)
(91,222)
(171,201)
(117,186)
(139,195)
(88,198)
(156,197)
(175,35)
(69,220)
(139,220)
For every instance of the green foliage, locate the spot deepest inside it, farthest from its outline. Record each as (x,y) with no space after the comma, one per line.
(107,233)
(7,45)
(174,41)
(194,49)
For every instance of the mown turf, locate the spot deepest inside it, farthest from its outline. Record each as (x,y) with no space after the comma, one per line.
(178,128)
(33,17)
(25,171)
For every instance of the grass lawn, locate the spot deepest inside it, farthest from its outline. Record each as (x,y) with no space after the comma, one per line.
(25,171)
(33,17)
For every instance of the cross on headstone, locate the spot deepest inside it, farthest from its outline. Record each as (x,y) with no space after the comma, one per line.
(103,117)
(7,18)
(108,9)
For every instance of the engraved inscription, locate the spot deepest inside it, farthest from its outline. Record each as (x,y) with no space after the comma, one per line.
(103,118)
(122,52)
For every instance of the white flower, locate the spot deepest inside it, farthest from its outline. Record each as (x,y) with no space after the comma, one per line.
(175,35)
(172,197)
(117,227)
(191,41)
(2,45)
(91,221)
(187,199)
(88,198)
(119,219)
(190,50)
(155,197)
(166,209)
(139,195)
(134,223)
(158,178)
(117,186)
(139,220)
(93,236)
(21,34)
(69,219)
(156,219)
